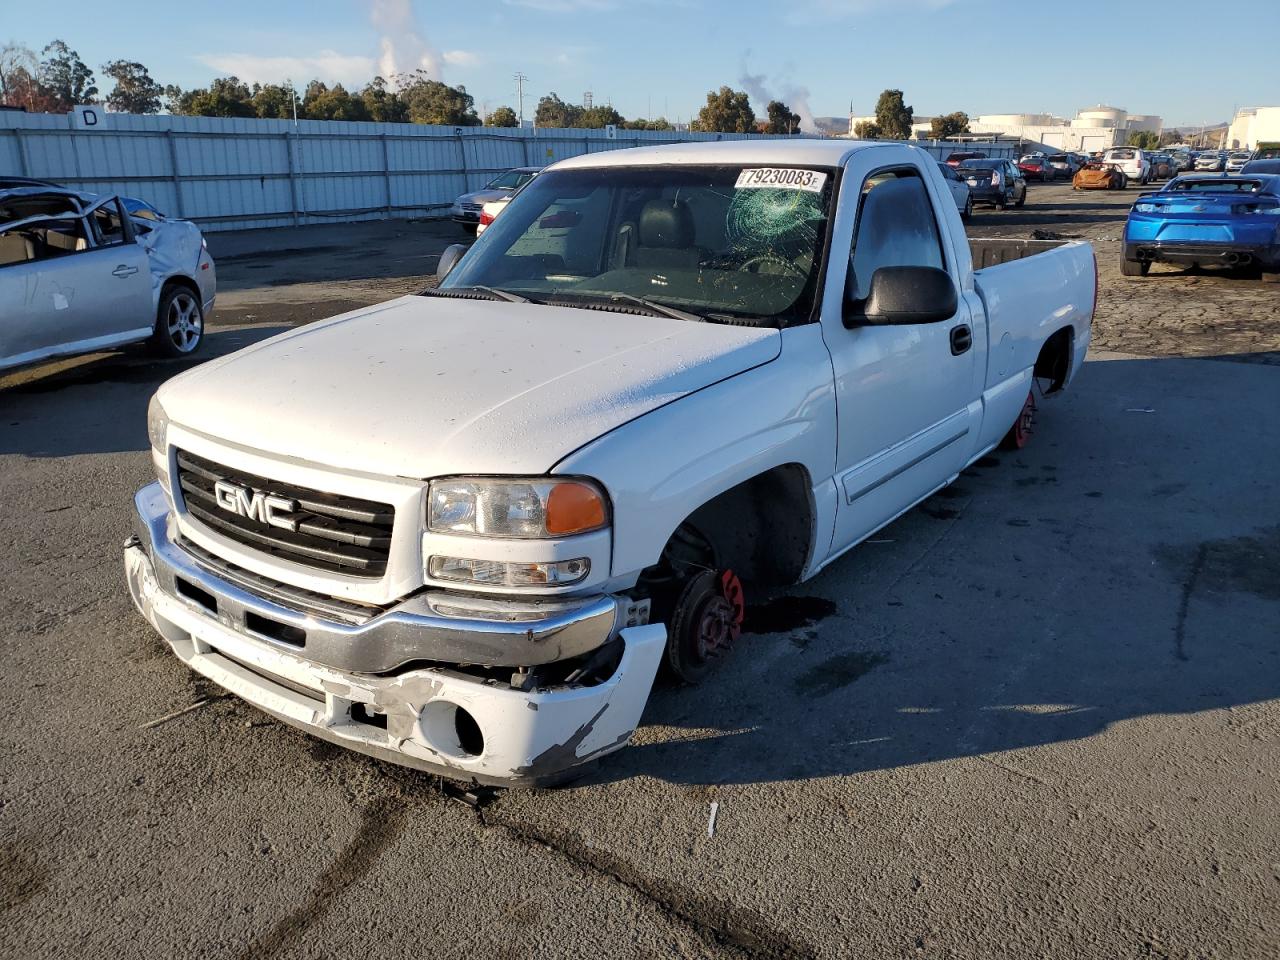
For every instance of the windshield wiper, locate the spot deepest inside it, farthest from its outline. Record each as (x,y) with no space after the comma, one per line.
(506,295)
(494,292)
(673,312)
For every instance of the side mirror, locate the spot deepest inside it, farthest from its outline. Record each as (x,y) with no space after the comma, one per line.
(904,295)
(449,259)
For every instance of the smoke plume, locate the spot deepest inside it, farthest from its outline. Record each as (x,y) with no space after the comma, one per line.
(403,48)
(794,96)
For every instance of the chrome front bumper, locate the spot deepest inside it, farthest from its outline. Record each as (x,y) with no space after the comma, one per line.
(433,718)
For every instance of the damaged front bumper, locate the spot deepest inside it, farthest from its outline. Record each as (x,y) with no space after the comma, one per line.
(438,718)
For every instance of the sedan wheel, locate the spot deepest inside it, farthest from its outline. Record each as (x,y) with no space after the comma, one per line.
(180,324)
(968,209)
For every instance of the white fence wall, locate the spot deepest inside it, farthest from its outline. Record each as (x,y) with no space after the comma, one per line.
(232,174)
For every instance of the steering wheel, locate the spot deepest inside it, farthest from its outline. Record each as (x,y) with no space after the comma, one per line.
(753,264)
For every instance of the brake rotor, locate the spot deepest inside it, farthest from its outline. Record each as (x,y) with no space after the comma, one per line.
(705,624)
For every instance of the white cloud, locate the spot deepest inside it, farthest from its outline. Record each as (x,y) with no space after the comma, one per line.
(462,58)
(404,49)
(327,65)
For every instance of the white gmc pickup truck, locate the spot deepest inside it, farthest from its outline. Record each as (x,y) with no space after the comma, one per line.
(463,530)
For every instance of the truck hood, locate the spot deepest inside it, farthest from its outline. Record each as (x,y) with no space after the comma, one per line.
(421,386)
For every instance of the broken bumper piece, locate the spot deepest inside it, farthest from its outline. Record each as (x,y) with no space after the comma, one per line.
(434,718)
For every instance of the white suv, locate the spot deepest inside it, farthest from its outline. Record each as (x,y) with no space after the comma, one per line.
(1133,162)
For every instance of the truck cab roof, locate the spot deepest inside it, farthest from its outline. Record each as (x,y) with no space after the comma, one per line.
(793,152)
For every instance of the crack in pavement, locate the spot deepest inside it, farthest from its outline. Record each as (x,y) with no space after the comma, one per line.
(1184,603)
(726,928)
(380,823)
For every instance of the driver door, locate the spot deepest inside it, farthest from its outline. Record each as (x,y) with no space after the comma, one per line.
(117,277)
(906,395)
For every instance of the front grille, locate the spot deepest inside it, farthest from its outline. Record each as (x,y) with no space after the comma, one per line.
(473,207)
(333,532)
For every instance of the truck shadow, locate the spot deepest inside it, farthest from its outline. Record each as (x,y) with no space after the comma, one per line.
(98,403)
(1109,574)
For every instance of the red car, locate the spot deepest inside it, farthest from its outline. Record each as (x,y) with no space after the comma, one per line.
(1037,168)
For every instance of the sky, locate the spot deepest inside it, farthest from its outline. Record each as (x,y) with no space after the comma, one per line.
(660,57)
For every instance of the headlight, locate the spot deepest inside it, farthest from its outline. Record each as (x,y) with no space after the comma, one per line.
(157,424)
(536,508)
(1145,207)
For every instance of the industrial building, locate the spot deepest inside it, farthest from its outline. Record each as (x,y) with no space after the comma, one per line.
(1094,128)
(1254,125)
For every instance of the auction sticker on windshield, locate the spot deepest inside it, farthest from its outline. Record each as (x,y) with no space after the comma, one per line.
(781,178)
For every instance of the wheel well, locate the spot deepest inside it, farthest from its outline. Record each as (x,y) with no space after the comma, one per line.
(1054,362)
(762,529)
(180,281)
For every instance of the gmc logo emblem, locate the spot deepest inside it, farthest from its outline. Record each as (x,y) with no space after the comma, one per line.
(268,508)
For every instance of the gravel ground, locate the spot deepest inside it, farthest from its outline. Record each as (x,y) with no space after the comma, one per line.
(1172,312)
(1036,717)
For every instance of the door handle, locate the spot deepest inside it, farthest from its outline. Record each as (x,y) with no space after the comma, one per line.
(124,270)
(961,339)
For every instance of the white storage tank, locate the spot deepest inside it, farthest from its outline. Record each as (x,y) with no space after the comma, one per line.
(1145,122)
(1012,122)
(1101,116)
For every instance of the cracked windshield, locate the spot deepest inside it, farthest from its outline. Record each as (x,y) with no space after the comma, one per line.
(734,244)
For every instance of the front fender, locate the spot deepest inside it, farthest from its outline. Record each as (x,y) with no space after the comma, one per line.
(661,467)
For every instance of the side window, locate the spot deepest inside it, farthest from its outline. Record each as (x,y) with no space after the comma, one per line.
(15,247)
(896,228)
(568,235)
(108,224)
(42,240)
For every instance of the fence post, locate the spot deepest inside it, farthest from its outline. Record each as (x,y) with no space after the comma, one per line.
(462,153)
(173,173)
(386,171)
(290,141)
(24,164)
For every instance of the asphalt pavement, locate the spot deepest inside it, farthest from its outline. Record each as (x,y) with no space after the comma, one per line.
(1038,716)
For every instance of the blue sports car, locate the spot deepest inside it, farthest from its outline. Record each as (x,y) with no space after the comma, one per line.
(1227,219)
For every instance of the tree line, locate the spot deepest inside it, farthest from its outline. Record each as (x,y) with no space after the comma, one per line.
(57,79)
(894,118)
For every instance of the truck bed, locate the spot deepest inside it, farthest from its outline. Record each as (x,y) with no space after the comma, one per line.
(992,253)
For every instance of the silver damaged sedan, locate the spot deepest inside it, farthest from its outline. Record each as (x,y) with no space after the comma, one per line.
(81,272)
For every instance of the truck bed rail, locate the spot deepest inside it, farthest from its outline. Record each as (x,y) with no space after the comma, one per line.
(992,253)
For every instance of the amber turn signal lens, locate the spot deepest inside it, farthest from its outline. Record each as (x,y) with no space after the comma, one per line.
(574,508)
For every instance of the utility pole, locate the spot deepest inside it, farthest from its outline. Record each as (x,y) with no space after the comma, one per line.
(520,80)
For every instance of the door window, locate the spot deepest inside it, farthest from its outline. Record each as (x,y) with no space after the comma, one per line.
(108,224)
(896,228)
